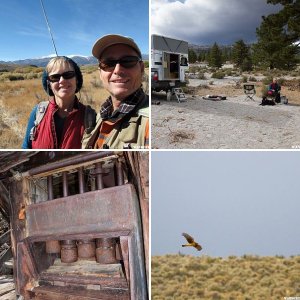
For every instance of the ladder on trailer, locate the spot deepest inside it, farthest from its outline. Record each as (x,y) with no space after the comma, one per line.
(180,95)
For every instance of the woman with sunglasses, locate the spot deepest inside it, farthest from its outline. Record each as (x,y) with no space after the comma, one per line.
(123,121)
(59,122)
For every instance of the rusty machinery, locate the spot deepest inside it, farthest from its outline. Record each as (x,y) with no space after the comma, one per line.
(77,225)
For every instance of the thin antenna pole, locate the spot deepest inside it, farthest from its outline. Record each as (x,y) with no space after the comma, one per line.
(48,26)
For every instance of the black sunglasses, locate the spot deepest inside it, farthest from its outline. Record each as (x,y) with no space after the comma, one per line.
(126,61)
(65,75)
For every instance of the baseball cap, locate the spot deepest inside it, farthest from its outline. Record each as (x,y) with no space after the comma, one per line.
(113,39)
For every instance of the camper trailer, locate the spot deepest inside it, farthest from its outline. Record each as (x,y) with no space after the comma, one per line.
(169,61)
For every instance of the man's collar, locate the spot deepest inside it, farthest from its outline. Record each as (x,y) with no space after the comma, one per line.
(126,106)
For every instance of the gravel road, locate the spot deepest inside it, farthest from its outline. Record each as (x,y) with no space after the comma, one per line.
(234,123)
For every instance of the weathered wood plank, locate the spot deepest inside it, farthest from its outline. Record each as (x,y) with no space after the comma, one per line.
(62,293)
(6,288)
(86,267)
(9,296)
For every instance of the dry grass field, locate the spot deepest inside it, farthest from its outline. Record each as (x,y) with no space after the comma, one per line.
(179,277)
(18,97)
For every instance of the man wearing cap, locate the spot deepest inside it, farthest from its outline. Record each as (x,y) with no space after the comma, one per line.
(123,121)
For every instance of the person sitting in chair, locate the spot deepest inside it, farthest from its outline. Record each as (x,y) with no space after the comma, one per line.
(274,90)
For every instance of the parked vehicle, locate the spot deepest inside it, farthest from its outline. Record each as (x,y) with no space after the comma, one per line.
(169,62)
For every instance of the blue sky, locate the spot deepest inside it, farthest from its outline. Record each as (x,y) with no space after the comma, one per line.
(203,22)
(232,203)
(75,25)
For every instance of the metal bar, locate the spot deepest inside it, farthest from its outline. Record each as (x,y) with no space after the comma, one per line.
(99,175)
(77,159)
(65,184)
(81,180)
(50,187)
(120,175)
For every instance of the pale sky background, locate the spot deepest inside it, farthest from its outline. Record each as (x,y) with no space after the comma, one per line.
(75,25)
(232,203)
(203,22)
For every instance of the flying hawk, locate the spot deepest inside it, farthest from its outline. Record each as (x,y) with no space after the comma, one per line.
(191,242)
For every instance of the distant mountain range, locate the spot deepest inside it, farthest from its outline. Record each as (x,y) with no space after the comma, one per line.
(42,62)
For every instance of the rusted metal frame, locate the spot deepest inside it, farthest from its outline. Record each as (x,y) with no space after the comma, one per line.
(93,234)
(125,256)
(72,163)
(81,213)
(124,214)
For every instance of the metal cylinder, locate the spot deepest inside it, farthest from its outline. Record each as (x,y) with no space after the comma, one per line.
(86,249)
(65,184)
(53,247)
(99,175)
(81,180)
(68,252)
(106,251)
(120,175)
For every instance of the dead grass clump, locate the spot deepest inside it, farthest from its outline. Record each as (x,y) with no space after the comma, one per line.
(179,136)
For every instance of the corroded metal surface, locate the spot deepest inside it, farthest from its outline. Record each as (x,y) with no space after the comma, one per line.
(86,249)
(105,210)
(115,212)
(106,251)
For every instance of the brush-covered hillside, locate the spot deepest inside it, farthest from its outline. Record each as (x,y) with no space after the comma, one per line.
(181,277)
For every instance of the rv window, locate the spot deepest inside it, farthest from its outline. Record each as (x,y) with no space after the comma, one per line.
(183,61)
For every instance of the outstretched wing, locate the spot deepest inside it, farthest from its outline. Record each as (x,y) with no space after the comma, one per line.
(198,247)
(188,237)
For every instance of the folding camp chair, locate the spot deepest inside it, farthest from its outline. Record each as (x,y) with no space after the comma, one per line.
(249,90)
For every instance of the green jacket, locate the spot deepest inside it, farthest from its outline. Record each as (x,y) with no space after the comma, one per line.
(128,133)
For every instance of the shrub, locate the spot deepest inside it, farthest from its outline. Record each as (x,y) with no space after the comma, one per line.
(15,77)
(218,75)
(201,76)
(252,78)
(244,79)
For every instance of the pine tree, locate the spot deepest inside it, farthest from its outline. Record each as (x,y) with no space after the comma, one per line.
(278,37)
(192,56)
(215,57)
(241,56)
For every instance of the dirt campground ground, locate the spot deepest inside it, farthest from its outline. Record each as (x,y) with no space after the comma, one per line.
(234,123)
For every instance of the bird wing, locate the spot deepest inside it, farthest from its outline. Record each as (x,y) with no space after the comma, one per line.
(188,237)
(197,246)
